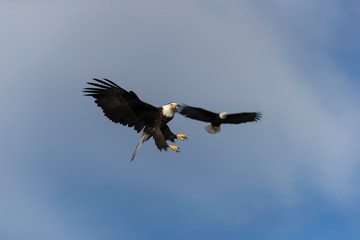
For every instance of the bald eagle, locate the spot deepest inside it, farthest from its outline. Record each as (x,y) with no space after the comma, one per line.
(124,107)
(216,119)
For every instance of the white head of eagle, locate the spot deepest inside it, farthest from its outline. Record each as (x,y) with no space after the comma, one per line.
(169,110)
(223,115)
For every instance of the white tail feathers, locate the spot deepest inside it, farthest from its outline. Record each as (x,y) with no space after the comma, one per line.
(210,129)
(143,138)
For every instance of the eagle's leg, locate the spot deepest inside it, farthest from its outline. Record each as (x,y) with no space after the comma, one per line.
(161,142)
(182,136)
(175,148)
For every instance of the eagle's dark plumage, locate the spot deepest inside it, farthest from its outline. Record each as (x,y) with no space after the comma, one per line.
(216,119)
(126,108)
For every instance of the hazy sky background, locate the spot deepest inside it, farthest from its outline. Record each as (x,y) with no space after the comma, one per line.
(65,170)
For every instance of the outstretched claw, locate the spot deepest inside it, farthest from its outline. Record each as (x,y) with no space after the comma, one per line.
(182,136)
(175,148)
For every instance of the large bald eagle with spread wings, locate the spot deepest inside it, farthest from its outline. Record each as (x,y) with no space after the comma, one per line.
(126,108)
(216,119)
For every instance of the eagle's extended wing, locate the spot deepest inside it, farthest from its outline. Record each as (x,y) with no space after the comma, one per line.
(244,117)
(198,113)
(121,106)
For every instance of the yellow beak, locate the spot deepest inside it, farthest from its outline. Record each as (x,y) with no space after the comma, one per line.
(174,106)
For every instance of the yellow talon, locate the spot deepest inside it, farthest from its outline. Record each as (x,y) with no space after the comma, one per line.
(182,136)
(175,148)
(215,128)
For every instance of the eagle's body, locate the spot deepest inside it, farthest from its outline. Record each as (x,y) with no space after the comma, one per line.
(216,119)
(125,108)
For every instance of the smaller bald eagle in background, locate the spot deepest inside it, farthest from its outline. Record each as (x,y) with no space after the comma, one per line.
(216,119)
(126,108)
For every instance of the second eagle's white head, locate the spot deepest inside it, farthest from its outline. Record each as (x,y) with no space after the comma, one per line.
(223,115)
(169,110)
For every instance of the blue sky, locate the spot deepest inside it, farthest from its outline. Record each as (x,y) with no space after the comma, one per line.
(65,170)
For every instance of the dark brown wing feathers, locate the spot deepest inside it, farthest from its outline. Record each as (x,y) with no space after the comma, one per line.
(121,106)
(244,117)
(197,113)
